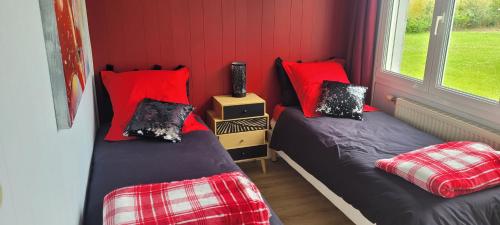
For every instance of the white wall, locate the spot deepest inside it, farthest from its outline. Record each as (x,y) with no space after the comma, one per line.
(43,171)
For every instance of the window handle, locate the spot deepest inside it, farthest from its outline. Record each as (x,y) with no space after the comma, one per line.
(439,20)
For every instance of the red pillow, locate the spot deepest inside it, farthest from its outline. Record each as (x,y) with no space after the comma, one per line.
(192,124)
(307,78)
(127,89)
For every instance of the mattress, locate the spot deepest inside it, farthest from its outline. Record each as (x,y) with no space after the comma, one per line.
(341,153)
(126,163)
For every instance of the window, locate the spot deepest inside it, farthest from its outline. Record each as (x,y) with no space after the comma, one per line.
(466,33)
(473,58)
(409,37)
(446,51)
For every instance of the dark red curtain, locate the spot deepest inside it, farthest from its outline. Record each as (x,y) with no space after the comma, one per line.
(361,53)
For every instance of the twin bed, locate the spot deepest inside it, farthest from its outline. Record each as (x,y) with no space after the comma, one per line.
(121,164)
(338,155)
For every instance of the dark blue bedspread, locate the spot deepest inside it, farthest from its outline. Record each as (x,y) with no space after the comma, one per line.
(341,153)
(125,163)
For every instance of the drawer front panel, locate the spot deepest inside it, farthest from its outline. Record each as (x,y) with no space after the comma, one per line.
(248,152)
(242,125)
(243,139)
(242,111)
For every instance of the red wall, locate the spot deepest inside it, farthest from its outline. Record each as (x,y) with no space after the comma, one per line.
(207,35)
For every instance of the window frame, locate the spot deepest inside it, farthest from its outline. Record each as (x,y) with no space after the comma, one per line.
(430,91)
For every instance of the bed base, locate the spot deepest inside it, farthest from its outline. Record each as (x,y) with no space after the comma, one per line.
(352,213)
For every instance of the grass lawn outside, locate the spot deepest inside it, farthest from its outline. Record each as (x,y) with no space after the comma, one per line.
(473,62)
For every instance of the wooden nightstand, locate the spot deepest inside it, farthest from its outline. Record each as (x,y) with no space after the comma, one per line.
(241,125)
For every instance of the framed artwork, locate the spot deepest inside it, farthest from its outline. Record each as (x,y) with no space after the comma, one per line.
(69,55)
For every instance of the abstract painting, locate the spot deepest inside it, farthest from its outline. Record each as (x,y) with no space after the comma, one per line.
(69,55)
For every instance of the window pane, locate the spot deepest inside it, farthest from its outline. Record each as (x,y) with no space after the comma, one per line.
(473,59)
(409,38)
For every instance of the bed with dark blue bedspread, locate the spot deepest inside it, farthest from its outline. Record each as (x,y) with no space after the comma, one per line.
(341,153)
(126,163)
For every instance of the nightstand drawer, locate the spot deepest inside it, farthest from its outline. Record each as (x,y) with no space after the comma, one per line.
(226,107)
(248,152)
(243,139)
(241,125)
(242,111)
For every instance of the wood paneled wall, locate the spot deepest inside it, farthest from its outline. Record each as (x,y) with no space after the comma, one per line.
(207,35)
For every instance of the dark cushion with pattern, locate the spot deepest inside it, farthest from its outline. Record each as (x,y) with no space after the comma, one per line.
(160,120)
(341,100)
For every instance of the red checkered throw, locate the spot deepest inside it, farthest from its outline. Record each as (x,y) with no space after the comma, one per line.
(448,170)
(224,199)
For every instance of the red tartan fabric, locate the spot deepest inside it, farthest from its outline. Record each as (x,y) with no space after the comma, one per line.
(448,170)
(225,199)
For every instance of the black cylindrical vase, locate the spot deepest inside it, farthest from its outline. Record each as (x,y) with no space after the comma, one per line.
(239,79)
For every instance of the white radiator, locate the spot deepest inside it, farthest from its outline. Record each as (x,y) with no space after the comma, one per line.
(444,125)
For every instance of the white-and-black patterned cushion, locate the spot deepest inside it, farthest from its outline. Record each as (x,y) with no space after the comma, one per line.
(160,120)
(341,100)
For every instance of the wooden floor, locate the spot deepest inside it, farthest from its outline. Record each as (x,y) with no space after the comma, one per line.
(294,200)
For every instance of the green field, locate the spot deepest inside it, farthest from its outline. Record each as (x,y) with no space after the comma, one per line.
(473,62)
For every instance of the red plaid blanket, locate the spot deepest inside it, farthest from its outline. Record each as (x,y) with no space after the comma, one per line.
(449,169)
(229,198)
